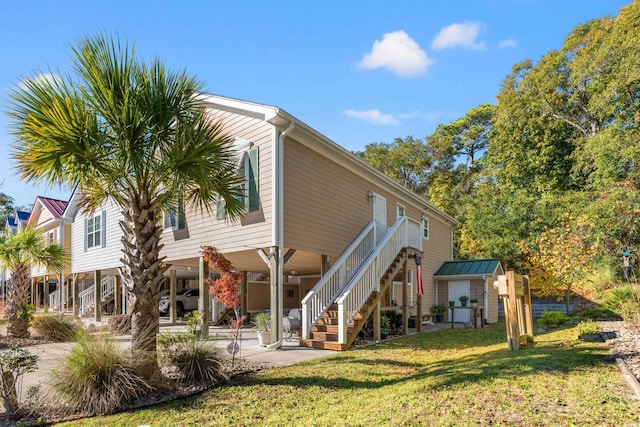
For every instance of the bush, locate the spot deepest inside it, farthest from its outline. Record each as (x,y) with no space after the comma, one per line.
(99,377)
(195,360)
(14,363)
(591,312)
(56,327)
(120,324)
(553,319)
(588,327)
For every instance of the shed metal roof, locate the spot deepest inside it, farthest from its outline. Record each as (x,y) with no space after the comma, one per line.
(478,267)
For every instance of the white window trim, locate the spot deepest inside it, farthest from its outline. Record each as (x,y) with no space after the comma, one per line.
(92,221)
(428,228)
(404,209)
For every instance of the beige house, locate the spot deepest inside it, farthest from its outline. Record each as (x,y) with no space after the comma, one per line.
(50,288)
(323,233)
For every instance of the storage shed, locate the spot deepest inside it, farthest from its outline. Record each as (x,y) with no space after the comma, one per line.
(472,278)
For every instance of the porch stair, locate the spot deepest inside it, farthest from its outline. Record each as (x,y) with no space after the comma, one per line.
(87,296)
(325,333)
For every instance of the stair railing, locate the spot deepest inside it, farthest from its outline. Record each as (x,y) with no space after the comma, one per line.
(367,280)
(324,293)
(87,296)
(54,299)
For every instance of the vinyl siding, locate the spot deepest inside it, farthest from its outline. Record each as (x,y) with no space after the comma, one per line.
(255,229)
(96,258)
(326,206)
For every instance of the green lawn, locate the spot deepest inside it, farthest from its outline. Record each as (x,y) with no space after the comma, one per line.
(453,377)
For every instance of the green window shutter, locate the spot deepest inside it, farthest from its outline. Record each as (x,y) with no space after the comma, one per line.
(86,228)
(254,201)
(104,229)
(220,214)
(182,221)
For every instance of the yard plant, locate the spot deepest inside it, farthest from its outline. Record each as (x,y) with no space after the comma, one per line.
(132,132)
(455,377)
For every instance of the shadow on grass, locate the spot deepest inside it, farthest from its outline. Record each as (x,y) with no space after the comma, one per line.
(447,360)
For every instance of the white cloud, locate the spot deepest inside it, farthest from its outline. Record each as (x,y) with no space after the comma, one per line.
(373,116)
(507,43)
(399,53)
(44,77)
(463,35)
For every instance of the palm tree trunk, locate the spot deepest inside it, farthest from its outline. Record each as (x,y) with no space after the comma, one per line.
(17,297)
(142,271)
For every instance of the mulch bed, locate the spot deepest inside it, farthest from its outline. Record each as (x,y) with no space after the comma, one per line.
(624,342)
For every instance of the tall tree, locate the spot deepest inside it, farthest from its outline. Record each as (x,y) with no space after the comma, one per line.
(405,160)
(132,132)
(19,253)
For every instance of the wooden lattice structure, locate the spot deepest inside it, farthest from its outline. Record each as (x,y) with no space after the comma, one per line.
(516,296)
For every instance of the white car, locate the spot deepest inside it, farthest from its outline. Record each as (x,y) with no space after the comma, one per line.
(186,300)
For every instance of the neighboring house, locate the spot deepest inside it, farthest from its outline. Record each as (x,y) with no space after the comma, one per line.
(17,221)
(323,232)
(50,288)
(472,278)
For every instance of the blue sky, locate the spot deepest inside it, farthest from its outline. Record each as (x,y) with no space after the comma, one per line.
(356,71)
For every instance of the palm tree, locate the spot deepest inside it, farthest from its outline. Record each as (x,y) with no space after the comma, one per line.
(18,253)
(132,132)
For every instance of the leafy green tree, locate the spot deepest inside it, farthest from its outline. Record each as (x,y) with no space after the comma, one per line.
(405,160)
(19,253)
(132,132)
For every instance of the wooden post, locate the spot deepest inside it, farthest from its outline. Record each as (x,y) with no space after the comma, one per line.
(45,293)
(204,305)
(74,294)
(527,308)
(97,303)
(173,282)
(376,320)
(512,310)
(244,288)
(117,295)
(405,299)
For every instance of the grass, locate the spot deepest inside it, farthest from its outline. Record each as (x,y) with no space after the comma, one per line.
(450,378)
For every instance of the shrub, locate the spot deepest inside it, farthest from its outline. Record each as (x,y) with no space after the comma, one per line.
(14,363)
(56,327)
(591,312)
(120,324)
(195,359)
(588,327)
(99,376)
(553,319)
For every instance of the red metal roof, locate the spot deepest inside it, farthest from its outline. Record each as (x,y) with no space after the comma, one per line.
(55,206)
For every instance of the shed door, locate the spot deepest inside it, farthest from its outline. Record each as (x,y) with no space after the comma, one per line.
(457,288)
(380,216)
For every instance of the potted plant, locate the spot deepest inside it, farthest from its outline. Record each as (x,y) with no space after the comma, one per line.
(262,326)
(385,326)
(438,310)
(463,300)
(473,302)
(452,303)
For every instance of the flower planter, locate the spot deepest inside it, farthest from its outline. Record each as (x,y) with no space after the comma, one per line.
(464,303)
(264,338)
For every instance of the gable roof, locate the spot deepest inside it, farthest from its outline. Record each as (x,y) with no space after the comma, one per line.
(22,215)
(55,206)
(469,268)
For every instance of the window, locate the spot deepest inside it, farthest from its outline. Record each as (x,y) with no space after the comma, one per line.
(94,231)
(402,211)
(175,220)
(425,228)
(247,161)
(52,237)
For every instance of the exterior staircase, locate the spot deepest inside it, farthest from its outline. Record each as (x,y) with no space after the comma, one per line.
(336,309)
(87,296)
